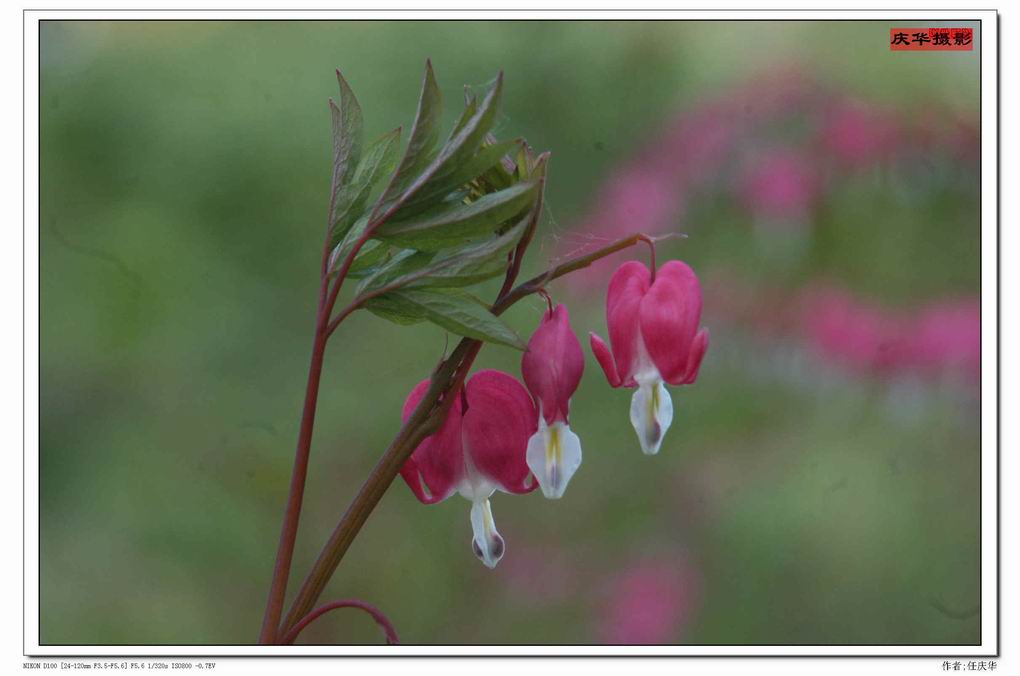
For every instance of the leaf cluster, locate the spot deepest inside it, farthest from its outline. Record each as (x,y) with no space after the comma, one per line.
(450,215)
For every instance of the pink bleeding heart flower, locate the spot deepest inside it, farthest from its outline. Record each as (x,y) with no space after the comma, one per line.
(653,328)
(552,367)
(480,448)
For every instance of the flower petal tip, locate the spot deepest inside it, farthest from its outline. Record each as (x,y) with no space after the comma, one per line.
(605,359)
(486,542)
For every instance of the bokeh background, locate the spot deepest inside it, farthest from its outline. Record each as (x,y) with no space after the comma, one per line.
(820,482)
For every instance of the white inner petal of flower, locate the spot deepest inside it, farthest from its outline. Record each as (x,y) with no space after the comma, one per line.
(554,454)
(487,544)
(651,408)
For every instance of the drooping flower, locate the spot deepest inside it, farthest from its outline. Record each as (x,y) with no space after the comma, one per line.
(653,329)
(552,367)
(480,448)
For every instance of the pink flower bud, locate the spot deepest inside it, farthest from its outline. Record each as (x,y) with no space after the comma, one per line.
(475,452)
(653,329)
(552,367)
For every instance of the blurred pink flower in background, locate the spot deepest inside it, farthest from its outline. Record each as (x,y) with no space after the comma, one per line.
(699,150)
(781,185)
(541,575)
(943,337)
(857,133)
(947,336)
(851,331)
(693,147)
(651,602)
(636,199)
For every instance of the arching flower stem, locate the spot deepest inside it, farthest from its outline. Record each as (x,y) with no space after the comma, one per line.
(548,300)
(651,247)
(377,615)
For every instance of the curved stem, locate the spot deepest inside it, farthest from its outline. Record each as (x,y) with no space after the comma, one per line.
(539,281)
(427,417)
(548,299)
(651,247)
(377,615)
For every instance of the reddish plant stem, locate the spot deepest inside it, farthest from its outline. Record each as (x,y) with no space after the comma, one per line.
(548,300)
(292,514)
(299,474)
(377,615)
(426,419)
(651,247)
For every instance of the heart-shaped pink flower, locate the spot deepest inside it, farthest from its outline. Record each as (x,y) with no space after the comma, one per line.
(653,329)
(480,448)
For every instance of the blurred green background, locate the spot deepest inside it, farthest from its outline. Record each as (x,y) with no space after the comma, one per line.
(185,169)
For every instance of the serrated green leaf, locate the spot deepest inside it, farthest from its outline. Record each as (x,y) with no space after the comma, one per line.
(424,136)
(348,129)
(454,223)
(378,161)
(451,309)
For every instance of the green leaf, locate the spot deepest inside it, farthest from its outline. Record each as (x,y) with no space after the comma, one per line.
(379,160)
(452,224)
(473,264)
(451,309)
(371,253)
(424,136)
(370,257)
(442,184)
(395,310)
(470,108)
(347,136)
(462,144)
(501,174)
(469,136)
(404,263)
(451,268)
